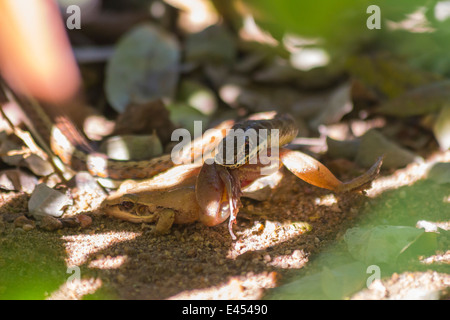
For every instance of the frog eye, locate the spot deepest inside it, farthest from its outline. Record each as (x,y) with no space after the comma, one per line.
(127,205)
(128,201)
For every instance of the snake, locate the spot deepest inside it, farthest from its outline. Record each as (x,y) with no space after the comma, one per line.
(62,138)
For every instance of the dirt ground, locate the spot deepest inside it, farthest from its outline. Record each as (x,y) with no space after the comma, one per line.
(112,259)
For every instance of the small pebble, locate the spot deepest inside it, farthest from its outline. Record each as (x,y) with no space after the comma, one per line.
(121,278)
(191,253)
(50,223)
(84,220)
(28,227)
(70,222)
(20,221)
(259,227)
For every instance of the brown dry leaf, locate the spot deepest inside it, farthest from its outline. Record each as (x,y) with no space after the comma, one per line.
(30,157)
(17,180)
(339,104)
(145,119)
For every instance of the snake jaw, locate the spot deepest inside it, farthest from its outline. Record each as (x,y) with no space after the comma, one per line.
(231,181)
(218,193)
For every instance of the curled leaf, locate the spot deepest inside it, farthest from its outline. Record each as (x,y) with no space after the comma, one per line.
(339,104)
(18,180)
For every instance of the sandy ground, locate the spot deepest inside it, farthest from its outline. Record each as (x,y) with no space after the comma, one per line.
(112,259)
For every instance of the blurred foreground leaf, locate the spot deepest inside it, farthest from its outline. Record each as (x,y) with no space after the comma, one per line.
(341,25)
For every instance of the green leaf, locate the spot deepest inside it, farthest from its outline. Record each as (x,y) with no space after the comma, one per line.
(440,173)
(143,68)
(380,244)
(132,147)
(331,283)
(342,281)
(184,115)
(305,288)
(213,44)
(198,96)
(374,144)
(422,100)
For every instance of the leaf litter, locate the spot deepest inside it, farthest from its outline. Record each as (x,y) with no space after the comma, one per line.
(128,261)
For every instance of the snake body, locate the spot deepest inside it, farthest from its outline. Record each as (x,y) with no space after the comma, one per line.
(61,137)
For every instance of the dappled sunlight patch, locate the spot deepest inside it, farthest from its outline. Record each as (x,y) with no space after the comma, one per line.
(437,259)
(406,176)
(252,32)
(415,22)
(446,199)
(327,200)
(80,247)
(76,289)
(266,235)
(235,288)
(195,15)
(296,260)
(108,262)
